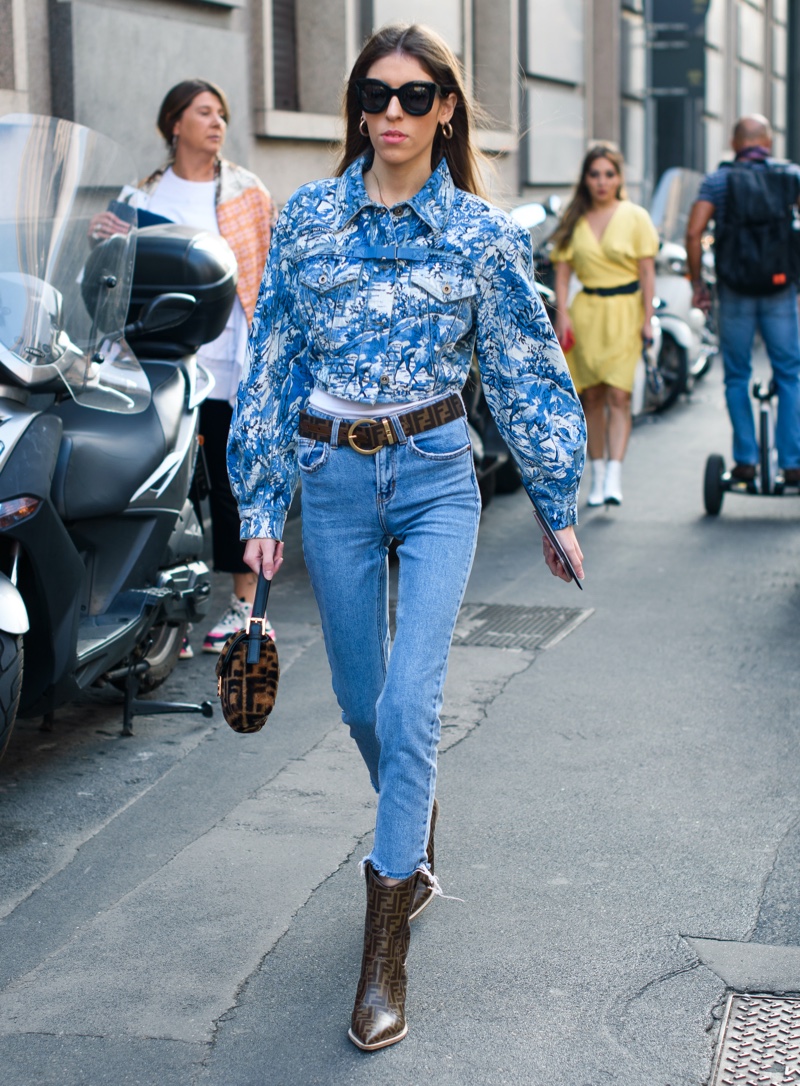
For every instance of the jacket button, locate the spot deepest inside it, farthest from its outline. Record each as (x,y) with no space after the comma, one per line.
(397,211)
(446,289)
(386,380)
(323,279)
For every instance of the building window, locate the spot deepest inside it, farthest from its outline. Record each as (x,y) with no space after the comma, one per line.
(284,55)
(554,49)
(6,45)
(555,143)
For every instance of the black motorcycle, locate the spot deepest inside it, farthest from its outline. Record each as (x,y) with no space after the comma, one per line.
(100,544)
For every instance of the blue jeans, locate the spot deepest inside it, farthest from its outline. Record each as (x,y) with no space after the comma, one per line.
(421,491)
(775,316)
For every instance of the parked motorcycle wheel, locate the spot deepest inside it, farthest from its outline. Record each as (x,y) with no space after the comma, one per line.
(162,653)
(11,660)
(706,365)
(713,490)
(508,478)
(673,365)
(487,484)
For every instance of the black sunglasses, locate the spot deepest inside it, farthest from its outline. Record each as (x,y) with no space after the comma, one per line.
(416,98)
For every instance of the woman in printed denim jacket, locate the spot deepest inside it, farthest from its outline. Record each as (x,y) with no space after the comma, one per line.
(379,284)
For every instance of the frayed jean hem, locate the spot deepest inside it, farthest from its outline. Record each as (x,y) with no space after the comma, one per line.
(424,867)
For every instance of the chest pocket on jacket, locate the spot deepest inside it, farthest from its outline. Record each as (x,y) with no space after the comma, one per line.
(446,294)
(328,288)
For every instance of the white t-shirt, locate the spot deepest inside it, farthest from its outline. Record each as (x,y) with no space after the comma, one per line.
(192,203)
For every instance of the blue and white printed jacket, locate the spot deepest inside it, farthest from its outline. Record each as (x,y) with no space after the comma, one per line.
(380,306)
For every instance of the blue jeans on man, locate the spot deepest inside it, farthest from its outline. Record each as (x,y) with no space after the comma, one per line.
(775,317)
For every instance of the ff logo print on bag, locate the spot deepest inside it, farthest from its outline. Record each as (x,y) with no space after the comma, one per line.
(247,692)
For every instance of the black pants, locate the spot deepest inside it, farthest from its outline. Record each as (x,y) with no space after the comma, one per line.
(228,549)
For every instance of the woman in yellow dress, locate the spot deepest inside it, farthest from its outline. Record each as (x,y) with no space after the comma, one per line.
(609,243)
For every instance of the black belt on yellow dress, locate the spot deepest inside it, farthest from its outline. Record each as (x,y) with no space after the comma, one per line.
(609,292)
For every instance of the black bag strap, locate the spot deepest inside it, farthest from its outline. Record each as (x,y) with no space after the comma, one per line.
(258,617)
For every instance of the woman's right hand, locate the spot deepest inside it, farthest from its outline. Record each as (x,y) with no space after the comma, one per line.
(564,331)
(264,554)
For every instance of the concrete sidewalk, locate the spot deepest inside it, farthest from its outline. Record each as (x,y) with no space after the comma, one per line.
(619,816)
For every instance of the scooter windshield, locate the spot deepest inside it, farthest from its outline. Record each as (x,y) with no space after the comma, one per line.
(64,293)
(672,202)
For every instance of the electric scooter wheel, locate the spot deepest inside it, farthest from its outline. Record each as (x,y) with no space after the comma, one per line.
(713,490)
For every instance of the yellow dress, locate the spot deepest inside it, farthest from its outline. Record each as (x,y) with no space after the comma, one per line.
(608,331)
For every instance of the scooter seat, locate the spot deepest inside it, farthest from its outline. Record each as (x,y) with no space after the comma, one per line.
(104,457)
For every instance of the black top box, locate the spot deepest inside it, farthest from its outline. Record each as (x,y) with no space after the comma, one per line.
(172,258)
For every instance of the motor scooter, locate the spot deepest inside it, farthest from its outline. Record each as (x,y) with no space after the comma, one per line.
(689,342)
(100,545)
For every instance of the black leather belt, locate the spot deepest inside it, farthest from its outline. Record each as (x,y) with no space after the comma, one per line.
(367,436)
(609,292)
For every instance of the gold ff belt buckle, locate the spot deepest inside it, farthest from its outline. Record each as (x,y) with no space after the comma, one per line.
(351,435)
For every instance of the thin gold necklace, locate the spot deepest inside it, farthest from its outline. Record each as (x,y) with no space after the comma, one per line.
(380,192)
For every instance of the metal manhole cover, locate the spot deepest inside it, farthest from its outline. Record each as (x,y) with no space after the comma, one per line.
(759,1042)
(507,626)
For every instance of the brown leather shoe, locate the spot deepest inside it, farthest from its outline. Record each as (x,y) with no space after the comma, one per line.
(379,1014)
(743,473)
(425,895)
(791,476)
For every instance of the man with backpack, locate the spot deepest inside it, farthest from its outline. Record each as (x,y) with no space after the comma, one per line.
(754,204)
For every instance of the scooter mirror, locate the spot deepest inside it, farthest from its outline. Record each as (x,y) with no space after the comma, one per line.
(162,312)
(529,215)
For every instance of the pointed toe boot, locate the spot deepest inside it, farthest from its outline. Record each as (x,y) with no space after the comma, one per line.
(379,1014)
(424,894)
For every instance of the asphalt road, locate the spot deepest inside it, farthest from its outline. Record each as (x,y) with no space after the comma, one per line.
(619,819)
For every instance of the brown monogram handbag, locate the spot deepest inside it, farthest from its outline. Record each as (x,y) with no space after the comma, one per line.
(248,670)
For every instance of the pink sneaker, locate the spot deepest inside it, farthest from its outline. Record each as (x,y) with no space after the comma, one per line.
(235,618)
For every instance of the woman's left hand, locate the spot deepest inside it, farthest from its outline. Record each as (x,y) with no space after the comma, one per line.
(647,332)
(105,224)
(569,541)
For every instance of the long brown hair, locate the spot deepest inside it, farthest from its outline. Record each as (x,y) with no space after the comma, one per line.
(182,95)
(438,59)
(581,201)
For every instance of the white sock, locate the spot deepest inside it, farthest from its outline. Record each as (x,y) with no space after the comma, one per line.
(598,480)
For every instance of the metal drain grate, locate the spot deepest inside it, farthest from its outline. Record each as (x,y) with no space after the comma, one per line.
(506,626)
(759,1043)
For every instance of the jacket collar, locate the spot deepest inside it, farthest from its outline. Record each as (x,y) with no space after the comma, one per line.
(432,203)
(753,154)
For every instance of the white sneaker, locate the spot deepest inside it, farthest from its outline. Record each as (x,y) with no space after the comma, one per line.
(597,493)
(612,488)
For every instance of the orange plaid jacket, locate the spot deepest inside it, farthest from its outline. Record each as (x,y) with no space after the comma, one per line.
(245,215)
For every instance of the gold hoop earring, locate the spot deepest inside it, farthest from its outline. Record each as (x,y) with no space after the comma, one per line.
(447,130)
(362,127)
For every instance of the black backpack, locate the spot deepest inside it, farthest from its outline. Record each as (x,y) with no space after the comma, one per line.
(757,245)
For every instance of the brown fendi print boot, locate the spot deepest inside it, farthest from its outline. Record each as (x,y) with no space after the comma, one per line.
(379,1014)
(424,893)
